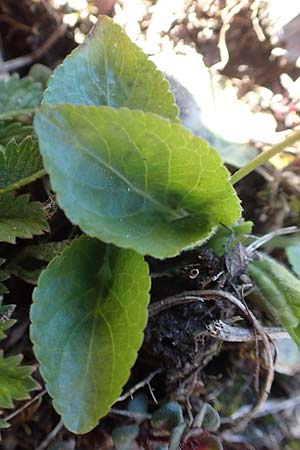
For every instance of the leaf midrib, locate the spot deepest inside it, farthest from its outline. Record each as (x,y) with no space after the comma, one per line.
(174,215)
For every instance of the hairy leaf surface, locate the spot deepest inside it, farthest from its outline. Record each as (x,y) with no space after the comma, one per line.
(19,94)
(280,290)
(134,178)
(19,218)
(89,312)
(19,163)
(108,69)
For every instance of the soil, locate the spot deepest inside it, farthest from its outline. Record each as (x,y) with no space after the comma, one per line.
(193,367)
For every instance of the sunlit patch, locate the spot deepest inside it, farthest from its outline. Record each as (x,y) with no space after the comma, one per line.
(78,36)
(77,5)
(70,19)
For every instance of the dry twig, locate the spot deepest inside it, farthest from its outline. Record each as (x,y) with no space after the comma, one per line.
(49,438)
(16,63)
(228,333)
(130,414)
(16,24)
(232,8)
(139,385)
(268,237)
(270,407)
(23,407)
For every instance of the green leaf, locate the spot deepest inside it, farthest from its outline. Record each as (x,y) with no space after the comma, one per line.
(31,260)
(168,416)
(124,437)
(134,178)
(40,73)
(15,130)
(19,218)
(211,107)
(20,164)
(5,318)
(15,380)
(89,311)
(280,291)
(293,254)
(3,277)
(3,424)
(207,418)
(176,436)
(225,239)
(17,95)
(108,69)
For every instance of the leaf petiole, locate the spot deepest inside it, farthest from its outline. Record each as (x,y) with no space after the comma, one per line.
(24,181)
(263,157)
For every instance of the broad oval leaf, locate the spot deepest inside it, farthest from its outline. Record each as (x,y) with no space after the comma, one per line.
(134,178)
(88,316)
(280,291)
(108,69)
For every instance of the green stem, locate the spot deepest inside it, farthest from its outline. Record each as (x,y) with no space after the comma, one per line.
(24,181)
(263,157)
